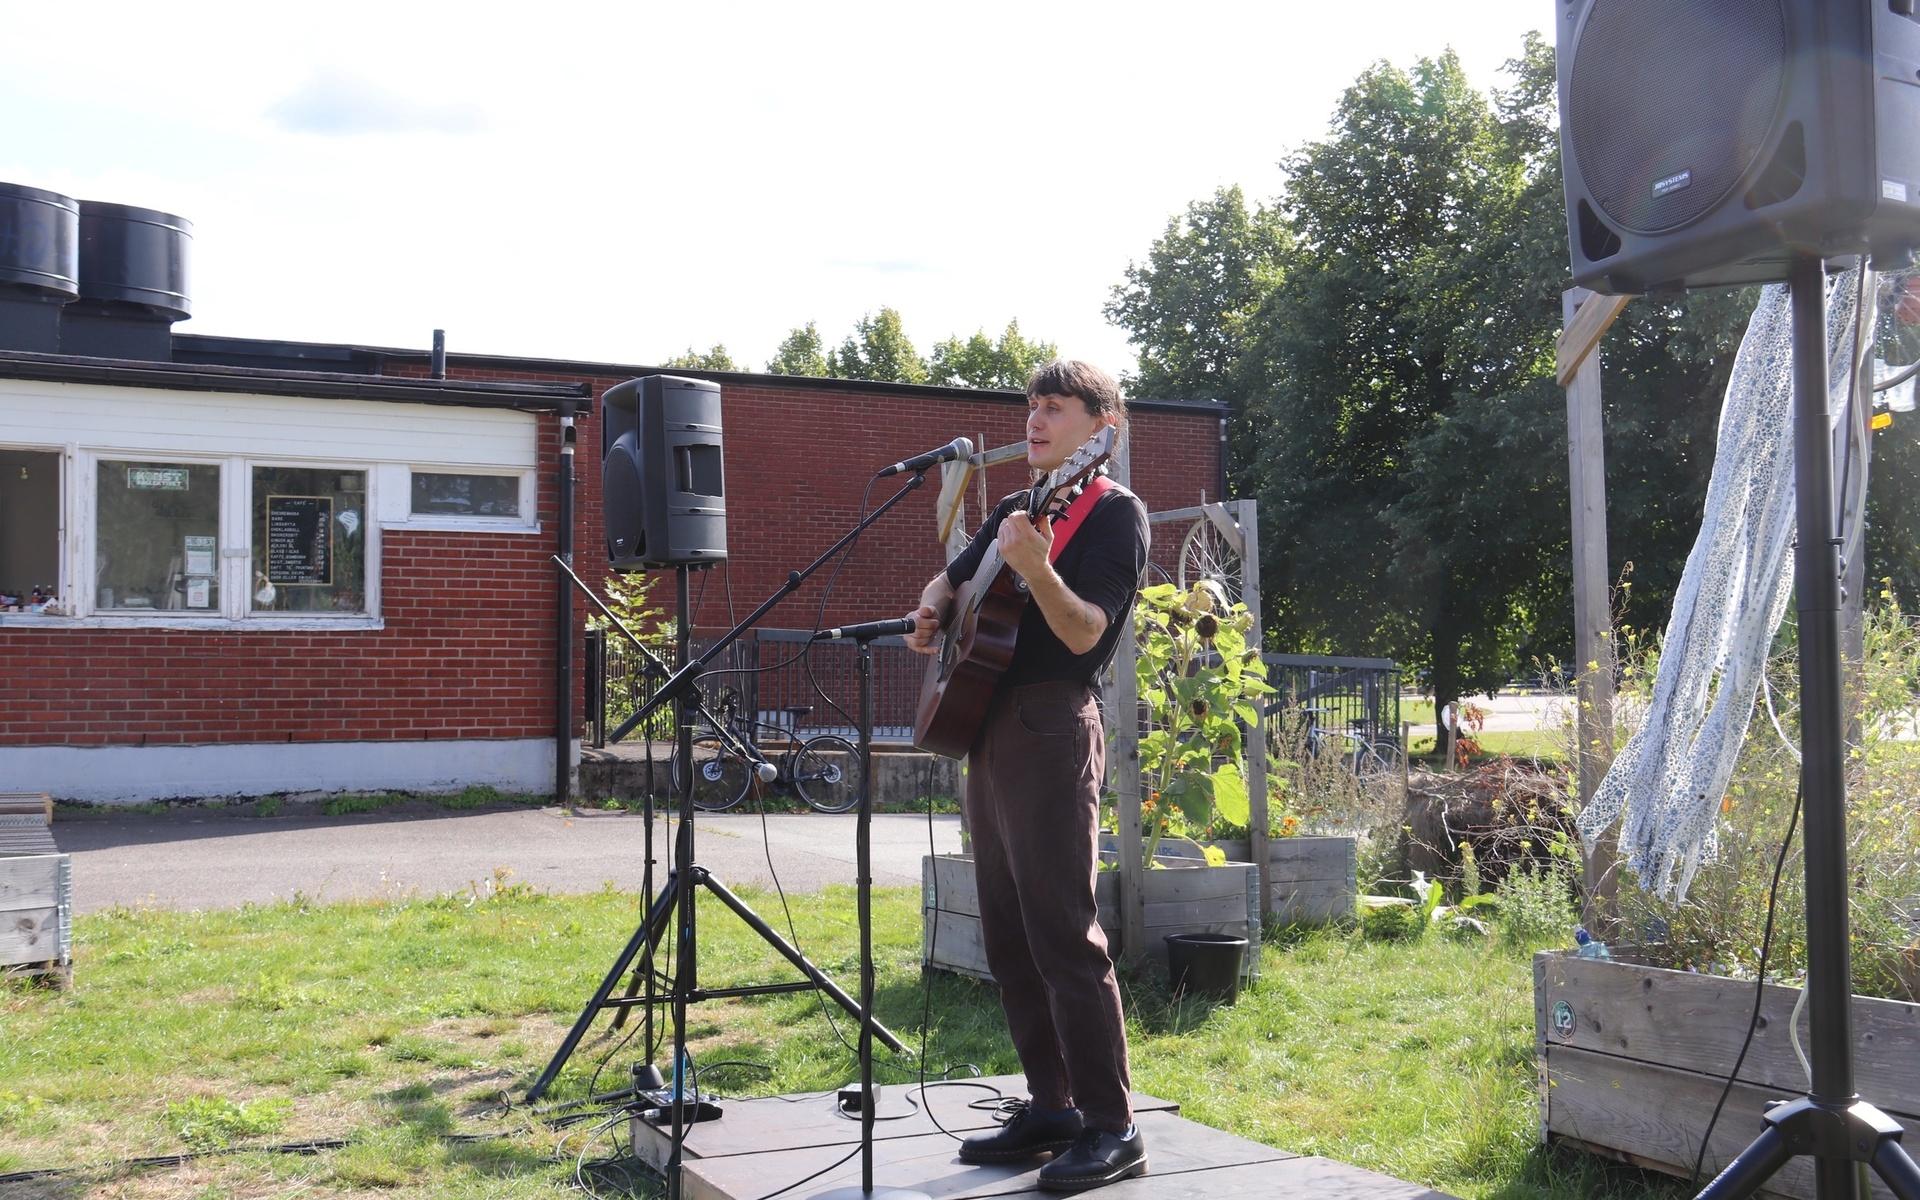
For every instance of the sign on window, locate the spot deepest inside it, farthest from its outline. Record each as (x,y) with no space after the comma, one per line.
(300,540)
(157,479)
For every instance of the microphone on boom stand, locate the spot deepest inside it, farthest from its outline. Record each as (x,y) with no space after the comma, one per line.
(958,448)
(862,636)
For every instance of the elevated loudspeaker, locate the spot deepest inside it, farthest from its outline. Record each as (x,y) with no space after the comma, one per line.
(662,491)
(1705,141)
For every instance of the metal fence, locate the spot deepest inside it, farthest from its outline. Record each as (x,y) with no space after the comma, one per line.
(1349,700)
(774,674)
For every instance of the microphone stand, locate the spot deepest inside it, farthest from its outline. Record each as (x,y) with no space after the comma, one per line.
(676,896)
(1845,1134)
(863,856)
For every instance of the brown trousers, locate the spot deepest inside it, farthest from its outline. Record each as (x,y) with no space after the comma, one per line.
(1032,801)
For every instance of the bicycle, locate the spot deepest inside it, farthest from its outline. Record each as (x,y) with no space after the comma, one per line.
(823,770)
(1366,758)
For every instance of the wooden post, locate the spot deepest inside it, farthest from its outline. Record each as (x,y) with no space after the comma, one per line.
(1247,514)
(1123,769)
(1587,319)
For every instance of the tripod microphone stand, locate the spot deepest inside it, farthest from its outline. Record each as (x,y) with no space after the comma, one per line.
(675,900)
(863,857)
(1844,1133)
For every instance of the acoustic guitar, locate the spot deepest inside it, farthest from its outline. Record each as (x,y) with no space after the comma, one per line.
(976,638)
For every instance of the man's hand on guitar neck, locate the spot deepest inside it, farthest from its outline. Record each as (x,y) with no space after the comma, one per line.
(1024,545)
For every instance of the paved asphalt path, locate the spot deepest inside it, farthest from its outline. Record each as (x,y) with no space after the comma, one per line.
(185,859)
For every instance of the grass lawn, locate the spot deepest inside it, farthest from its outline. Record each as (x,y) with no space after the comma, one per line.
(399,1027)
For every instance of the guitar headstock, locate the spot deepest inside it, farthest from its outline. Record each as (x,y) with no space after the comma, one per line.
(1093,454)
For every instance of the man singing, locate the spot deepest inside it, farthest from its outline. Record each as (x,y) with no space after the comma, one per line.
(1032,797)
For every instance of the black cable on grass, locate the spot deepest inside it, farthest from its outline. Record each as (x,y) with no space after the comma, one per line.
(1759,987)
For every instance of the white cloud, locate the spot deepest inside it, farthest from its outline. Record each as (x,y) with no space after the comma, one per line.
(572,181)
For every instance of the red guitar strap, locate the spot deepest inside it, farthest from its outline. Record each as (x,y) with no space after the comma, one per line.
(1076,514)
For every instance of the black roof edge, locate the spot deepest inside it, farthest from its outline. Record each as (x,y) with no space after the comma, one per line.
(67,368)
(374,357)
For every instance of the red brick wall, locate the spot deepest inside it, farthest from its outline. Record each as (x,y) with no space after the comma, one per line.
(468,644)
(459,657)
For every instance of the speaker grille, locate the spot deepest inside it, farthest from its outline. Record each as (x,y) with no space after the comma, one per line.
(1670,104)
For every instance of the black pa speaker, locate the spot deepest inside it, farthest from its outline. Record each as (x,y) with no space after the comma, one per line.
(1705,142)
(662,492)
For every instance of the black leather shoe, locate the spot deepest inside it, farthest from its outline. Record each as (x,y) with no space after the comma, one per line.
(1025,1133)
(1097,1159)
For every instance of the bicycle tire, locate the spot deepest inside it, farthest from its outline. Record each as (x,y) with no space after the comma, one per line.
(826,773)
(721,779)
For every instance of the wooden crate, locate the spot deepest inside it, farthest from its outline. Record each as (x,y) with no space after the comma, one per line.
(1632,1060)
(36,916)
(1313,880)
(1180,899)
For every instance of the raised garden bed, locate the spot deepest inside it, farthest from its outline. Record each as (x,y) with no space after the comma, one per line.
(1313,880)
(1632,1059)
(36,892)
(1182,898)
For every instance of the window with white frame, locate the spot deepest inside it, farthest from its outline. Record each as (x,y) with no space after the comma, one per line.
(466,494)
(29,530)
(309,539)
(233,538)
(157,537)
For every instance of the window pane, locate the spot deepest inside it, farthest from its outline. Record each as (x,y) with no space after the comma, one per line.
(29,528)
(466,495)
(158,537)
(309,540)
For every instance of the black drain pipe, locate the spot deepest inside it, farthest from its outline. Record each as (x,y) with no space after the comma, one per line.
(563,628)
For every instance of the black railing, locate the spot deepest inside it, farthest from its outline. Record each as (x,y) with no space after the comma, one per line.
(1344,701)
(771,674)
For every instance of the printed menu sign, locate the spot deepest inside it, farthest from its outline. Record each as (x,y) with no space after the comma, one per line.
(300,539)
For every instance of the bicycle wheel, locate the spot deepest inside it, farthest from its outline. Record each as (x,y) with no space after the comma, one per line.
(826,773)
(720,777)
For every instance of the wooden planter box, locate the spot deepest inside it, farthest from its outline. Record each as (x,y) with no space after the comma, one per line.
(36,892)
(1180,899)
(36,916)
(1313,880)
(1632,1060)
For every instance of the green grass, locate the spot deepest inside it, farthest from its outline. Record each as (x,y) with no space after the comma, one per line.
(393,1025)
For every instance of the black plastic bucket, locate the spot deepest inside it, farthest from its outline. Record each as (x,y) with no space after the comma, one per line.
(1206,964)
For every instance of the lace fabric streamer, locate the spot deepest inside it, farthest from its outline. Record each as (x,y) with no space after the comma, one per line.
(1667,783)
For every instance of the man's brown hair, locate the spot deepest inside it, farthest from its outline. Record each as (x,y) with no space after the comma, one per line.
(1071,377)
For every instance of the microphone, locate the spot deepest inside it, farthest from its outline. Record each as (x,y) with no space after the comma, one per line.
(870,629)
(957,448)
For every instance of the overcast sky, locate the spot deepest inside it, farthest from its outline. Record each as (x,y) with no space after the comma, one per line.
(559,180)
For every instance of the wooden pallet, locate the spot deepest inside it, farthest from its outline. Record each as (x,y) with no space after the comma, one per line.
(762,1145)
(36,892)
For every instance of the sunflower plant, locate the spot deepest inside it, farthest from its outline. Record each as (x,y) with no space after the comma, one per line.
(1200,684)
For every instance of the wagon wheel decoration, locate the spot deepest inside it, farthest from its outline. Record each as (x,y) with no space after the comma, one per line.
(1206,553)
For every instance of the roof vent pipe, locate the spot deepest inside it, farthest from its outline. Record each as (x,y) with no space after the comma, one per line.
(438,362)
(39,266)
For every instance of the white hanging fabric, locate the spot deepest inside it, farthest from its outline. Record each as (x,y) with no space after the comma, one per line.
(1667,784)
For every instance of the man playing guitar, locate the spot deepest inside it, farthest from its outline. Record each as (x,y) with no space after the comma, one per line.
(1032,797)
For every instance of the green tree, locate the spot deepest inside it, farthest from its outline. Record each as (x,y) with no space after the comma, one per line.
(982,363)
(716,359)
(1190,307)
(878,349)
(800,353)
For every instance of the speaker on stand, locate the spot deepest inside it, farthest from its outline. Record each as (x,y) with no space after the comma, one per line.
(1727,142)
(1707,142)
(663,491)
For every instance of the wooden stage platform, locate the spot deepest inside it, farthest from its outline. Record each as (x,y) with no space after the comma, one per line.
(763,1145)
